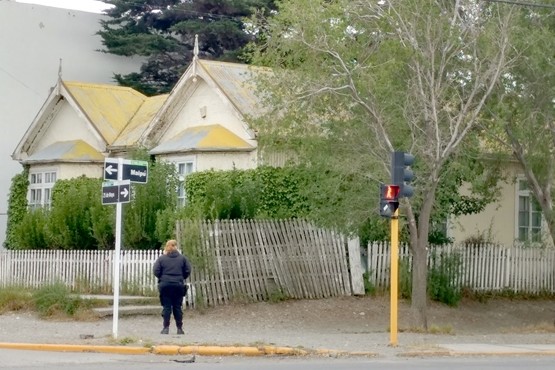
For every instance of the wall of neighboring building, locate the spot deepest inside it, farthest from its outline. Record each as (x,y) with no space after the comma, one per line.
(498,222)
(33,39)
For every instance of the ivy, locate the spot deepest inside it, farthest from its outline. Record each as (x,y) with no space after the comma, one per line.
(17,207)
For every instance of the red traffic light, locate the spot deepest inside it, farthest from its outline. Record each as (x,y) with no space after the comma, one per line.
(390,192)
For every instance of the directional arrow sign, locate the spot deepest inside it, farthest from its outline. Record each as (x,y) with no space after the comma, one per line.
(116,193)
(135,171)
(111,169)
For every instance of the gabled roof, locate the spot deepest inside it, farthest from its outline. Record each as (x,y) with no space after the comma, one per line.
(203,138)
(109,108)
(115,115)
(66,151)
(236,82)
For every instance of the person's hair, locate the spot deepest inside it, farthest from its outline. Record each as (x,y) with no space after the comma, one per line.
(171,246)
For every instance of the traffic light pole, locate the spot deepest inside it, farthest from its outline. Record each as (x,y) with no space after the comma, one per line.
(394,269)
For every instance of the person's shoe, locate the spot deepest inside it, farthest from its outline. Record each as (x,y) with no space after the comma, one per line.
(180,331)
(166,330)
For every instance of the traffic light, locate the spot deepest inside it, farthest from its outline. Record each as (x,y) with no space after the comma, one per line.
(389,201)
(401,175)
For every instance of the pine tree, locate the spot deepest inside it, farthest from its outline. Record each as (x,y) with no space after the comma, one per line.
(163,31)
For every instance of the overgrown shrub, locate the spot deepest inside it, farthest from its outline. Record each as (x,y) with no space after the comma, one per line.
(56,299)
(141,229)
(17,208)
(405,278)
(77,217)
(32,231)
(443,278)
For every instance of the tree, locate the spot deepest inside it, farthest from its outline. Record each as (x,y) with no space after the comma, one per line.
(355,80)
(521,121)
(163,31)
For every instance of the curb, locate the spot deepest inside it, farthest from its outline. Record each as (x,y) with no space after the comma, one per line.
(184,350)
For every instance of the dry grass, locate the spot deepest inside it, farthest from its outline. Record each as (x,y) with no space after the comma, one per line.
(544,327)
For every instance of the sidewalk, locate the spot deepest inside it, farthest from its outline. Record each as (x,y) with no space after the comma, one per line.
(337,327)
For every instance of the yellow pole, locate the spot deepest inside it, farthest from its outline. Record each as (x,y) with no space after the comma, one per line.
(394,277)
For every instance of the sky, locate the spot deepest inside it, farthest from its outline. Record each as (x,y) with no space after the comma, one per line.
(92,6)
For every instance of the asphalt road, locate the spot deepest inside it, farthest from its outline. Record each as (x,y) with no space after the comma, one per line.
(32,360)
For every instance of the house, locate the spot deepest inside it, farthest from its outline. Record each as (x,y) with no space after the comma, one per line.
(199,126)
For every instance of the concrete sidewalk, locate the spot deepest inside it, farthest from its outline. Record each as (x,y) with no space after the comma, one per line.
(345,326)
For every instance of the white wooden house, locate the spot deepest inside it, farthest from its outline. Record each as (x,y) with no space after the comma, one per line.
(200,125)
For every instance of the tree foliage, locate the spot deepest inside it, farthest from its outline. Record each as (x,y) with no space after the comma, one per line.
(163,32)
(521,120)
(355,80)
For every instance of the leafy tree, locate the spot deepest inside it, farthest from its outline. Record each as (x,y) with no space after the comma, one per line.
(163,31)
(355,80)
(521,120)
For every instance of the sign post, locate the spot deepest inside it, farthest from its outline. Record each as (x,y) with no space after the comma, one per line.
(117,192)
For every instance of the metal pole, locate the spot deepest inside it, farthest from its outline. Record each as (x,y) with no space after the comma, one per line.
(394,278)
(117,257)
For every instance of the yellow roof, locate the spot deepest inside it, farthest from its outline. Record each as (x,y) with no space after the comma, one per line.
(120,114)
(203,138)
(67,151)
(132,132)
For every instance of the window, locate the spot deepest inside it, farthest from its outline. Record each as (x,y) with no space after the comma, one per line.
(40,188)
(529,215)
(183,169)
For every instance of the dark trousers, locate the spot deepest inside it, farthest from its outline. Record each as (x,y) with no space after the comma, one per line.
(171,299)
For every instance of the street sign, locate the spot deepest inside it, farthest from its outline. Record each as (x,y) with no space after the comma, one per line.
(134,171)
(113,193)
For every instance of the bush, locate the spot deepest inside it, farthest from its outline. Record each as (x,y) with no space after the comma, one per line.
(32,230)
(442,278)
(56,299)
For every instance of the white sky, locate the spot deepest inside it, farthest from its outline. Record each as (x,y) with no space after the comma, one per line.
(92,6)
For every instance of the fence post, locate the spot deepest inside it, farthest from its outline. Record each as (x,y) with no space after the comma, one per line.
(355,263)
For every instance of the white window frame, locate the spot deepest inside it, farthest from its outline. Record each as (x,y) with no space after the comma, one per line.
(184,168)
(529,224)
(41,183)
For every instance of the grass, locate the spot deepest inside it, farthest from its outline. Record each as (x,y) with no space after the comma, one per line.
(15,299)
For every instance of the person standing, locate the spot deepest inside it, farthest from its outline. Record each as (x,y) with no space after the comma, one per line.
(172,269)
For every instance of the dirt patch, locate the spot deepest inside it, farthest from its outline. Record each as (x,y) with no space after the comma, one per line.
(372,314)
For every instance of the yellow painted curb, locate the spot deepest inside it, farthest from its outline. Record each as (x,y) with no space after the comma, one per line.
(76,348)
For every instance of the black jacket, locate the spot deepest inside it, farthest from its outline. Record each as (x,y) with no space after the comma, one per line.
(172,268)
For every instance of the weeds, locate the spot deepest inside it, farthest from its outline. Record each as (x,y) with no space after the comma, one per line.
(14,299)
(56,300)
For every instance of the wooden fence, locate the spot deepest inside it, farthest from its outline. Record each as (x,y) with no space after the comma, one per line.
(490,268)
(232,260)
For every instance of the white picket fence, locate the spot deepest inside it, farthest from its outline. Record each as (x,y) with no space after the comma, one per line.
(490,268)
(235,259)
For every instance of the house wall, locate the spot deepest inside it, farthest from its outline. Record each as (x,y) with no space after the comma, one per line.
(65,171)
(498,223)
(218,111)
(215,161)
(495,224)
(69,125)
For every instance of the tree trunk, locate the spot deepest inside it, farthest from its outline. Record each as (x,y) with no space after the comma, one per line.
(419,283)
